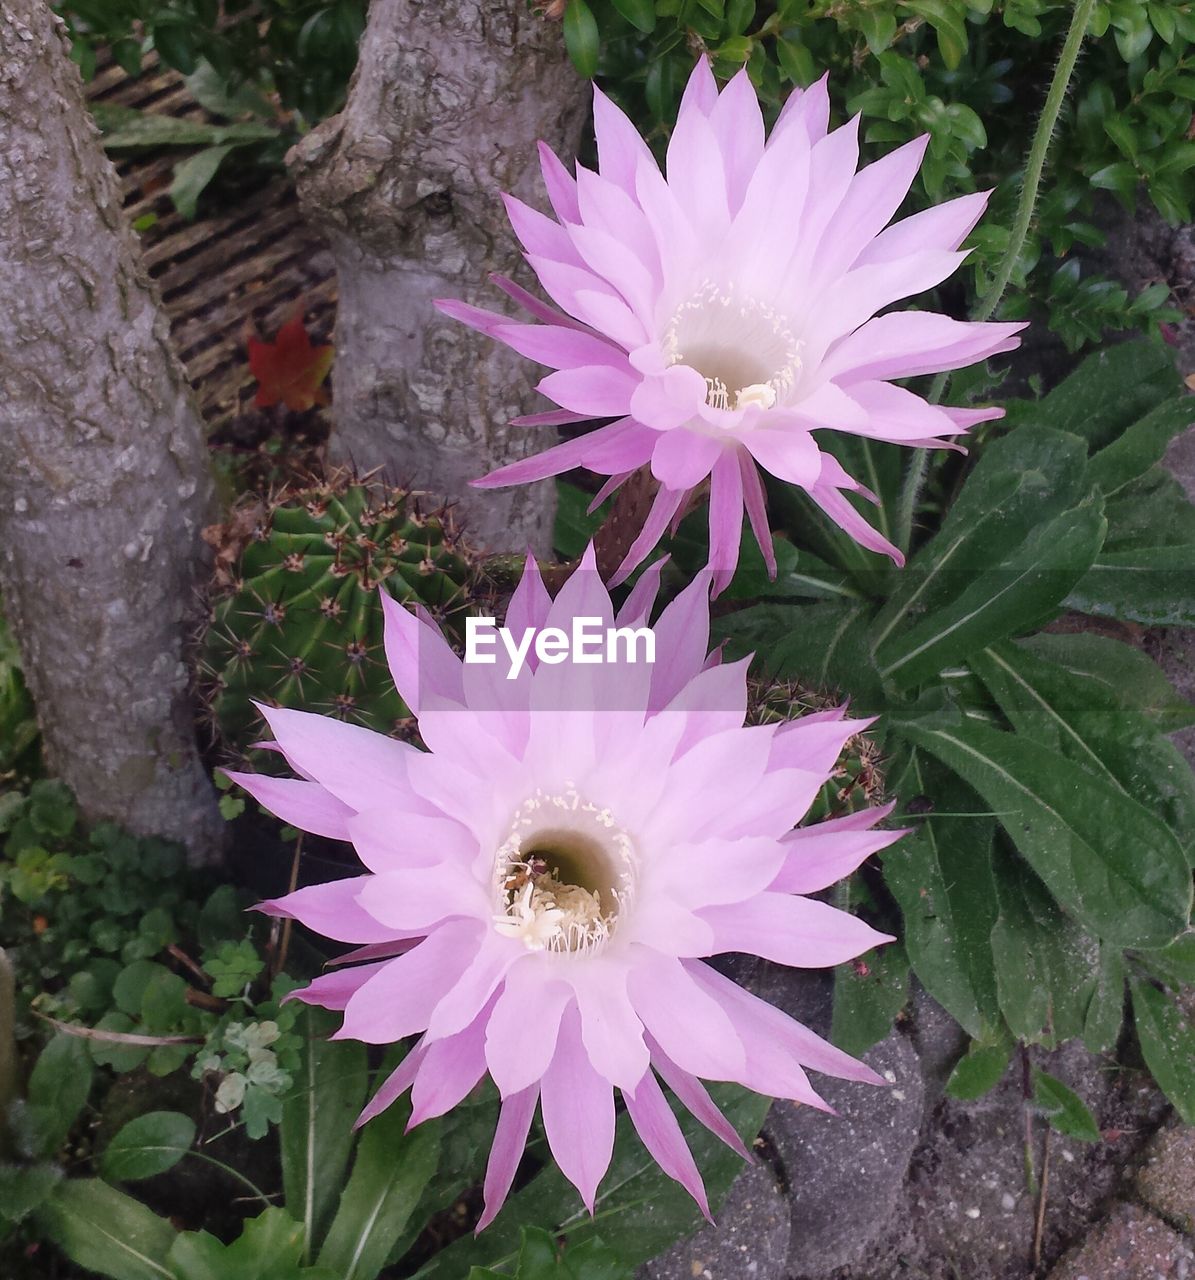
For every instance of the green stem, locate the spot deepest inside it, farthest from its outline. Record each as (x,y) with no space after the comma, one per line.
(1039,151)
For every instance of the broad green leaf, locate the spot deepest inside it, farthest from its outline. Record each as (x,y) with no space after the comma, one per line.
(192,175)
(640,1211)
(389,1174)
(1132,454)
(58,1088)
(1021,481)
(1064,1109)
(1151,511)
(1167,1044)
(1119,671)
(941,879)
(1151,585)
(316,1133)
(148,1145)
(979,1070)
(1014,596)
(1107,393)
(102,1230)
(868,994)
(540,1259)
(574,524)
(1021,981)
(1105,858)
(1094,729)
(1174,964)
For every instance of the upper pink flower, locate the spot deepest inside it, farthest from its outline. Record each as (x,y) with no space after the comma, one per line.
(726,313)
(542,883)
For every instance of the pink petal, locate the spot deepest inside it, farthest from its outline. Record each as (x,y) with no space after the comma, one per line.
(578,1112)
(697,1100)
(510,1138)
(699,188)
(755,501)
(661,1135)
(789,453)
(610,1029)
(530,602)
(451,1069)
(393,1087)
(800,932)
(539,309)
(701,89)
(332,990)
(818,859)
(599,390)
(682,641)
(561,185)
(689,1025)
(682,459)
(559,348)
(726,520)
(851,522)
(814,744)
(663,508)
(386,841)
(560,458)
(305,805)
(539,234)
(420,897)
(620,148)
(472,988)
(399,1000)
(944,226)
(737,123)
(521,1034)
(422,665)
(905,343)
(805,109)
(331,910)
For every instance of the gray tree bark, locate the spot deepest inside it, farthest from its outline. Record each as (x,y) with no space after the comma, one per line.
(104,478)
(444,112)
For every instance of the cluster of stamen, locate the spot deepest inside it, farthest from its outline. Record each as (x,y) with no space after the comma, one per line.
(745,350)
(555,841)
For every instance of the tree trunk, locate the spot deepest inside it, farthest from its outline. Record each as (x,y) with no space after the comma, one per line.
(104,478)
(444,112)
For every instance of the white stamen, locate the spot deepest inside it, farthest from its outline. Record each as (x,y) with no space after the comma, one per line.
(746,351)
(533,871)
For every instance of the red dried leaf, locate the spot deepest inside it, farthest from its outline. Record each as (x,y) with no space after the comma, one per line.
(289,369)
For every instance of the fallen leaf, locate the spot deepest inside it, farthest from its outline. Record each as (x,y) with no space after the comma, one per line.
(289,369)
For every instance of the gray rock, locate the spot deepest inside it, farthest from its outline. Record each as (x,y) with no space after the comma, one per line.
(1166,1182)
(749,1242)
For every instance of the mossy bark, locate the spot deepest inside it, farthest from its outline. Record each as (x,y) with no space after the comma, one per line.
(104,477)
(443,115)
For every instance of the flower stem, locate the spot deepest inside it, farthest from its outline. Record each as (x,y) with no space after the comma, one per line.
(985,308)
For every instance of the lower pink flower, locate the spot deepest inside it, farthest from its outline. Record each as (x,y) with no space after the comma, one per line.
(542,885)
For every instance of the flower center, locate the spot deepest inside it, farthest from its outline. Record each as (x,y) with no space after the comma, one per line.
(745,351)
(564,875)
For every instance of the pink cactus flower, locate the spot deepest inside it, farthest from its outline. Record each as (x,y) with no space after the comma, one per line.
(542,885)
(726,314)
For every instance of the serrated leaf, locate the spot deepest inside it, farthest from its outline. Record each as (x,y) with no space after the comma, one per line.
(1064,1109)
(148,1145)
(1104,857)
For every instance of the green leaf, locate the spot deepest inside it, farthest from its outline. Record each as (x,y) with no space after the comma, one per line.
(1107,393)
(1167,1044)
(1024,591)
(1142,445)
(24,1188)
(1105,1013)
(233,966)
(575,525)
(1174,964)
(102,1230)
(389,1174)
(640,1211)
(639,13)
(1064,1109)
(268,1248)
(1072,716)
(1120,671)
(316,1131)
(147,1146)
(581,37)
(1151,585)
(979,1071)
(941,878)
(1104,857)
(191,176)
(58,1089)
(868,994)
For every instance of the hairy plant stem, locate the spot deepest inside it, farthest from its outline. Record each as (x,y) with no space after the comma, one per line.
(985,308)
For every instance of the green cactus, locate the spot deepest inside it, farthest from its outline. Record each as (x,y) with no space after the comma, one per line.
(858,779)
(295,620)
